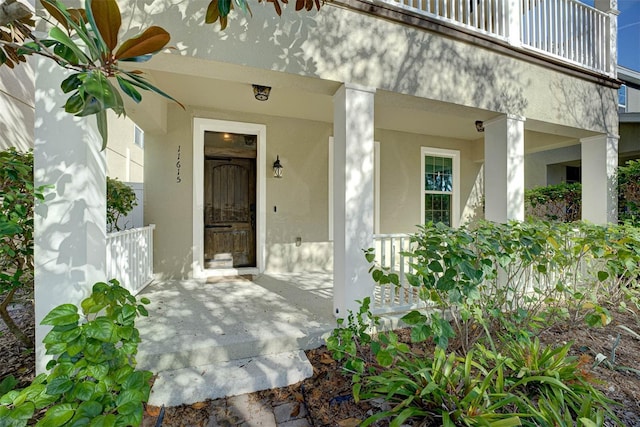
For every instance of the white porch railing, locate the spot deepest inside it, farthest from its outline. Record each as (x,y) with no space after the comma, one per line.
(130,257)
(390,298)
(565,29)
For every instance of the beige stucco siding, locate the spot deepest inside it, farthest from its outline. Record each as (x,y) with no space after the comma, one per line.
(300,198)
(400,178)
(342,45)
(125,160)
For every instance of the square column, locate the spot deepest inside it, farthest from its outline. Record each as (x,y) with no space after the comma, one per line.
(599,186)
(70,226)
(353,206)
(504,169)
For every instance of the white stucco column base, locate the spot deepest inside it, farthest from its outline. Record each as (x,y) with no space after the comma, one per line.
(504,169)
(599,189)
(353,208)
(69,233)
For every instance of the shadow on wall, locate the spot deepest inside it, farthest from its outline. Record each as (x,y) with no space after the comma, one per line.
(344,46)
(16,107)
(594,110)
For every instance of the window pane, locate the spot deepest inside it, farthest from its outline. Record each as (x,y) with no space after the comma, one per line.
(437,208)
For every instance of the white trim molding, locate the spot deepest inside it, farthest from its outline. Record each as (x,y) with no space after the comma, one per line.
(200,126)
(455,199)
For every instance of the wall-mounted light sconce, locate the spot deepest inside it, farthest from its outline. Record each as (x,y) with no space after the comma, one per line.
(261,92)
(479,126)
(277,168)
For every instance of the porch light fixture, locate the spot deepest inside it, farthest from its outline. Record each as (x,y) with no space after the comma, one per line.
(479,126)
(277,168)
(261,92)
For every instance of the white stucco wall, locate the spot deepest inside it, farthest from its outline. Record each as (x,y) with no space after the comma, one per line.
(17,106)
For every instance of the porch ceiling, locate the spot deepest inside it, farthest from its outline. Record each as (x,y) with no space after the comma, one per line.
(211,85)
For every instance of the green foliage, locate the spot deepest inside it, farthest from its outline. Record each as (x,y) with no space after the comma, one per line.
(85,41)
(92,379)
(520,275)
(516,278)
(17,195)
(220,9)
(121,199)
(349,341)
(561,202)
(629,192)
(551,386)
(525,384)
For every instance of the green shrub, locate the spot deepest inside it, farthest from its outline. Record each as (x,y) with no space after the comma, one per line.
(629,192)
(121,199)
(92,379)
(520,275)
(17,195)
(561,202)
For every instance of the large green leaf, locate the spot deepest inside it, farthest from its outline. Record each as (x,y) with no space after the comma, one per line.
(59,385)
(57,415)
(60,36)
(64,314)
(129,89)
(101,329)
(104,15)
(151,40)
(142,83)
(101,118)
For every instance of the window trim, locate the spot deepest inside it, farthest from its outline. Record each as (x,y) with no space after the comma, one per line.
(625,91)
(455,192)
(138,130)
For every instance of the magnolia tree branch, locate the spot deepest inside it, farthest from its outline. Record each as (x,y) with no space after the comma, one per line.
(12,11)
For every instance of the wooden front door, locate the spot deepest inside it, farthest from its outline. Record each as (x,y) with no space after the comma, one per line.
(229,213)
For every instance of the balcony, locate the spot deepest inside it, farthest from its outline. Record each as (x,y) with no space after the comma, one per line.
(565,30)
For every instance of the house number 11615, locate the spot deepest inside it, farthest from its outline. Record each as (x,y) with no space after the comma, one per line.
(178,166)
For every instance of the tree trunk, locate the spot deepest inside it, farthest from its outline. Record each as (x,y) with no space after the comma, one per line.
(13,328)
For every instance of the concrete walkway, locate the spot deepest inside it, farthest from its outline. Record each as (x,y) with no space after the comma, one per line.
(207,339)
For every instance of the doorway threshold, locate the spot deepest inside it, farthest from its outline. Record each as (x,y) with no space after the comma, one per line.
(241,271)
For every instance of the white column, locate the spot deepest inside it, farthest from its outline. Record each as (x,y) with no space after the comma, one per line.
(353,210)
(611,43)
(504,169)
(69,233)
(599,189)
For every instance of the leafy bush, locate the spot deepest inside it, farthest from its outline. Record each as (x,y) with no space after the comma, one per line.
(629,192)
(17,195)
(121,199)
(92,380)
(516,278)
(562,202)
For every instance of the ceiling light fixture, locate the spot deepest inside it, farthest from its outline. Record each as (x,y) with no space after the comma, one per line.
(261,92)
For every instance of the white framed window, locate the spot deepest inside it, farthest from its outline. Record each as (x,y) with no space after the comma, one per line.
(440,186)
(138,136)
(622,98)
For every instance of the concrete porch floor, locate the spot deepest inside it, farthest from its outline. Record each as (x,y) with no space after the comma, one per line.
(197,329)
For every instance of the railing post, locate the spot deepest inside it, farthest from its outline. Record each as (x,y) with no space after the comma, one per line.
(610,7)
(513,22)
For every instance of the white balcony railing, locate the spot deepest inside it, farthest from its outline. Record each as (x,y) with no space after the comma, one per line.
(130,257)
(564,29)
(567,29)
